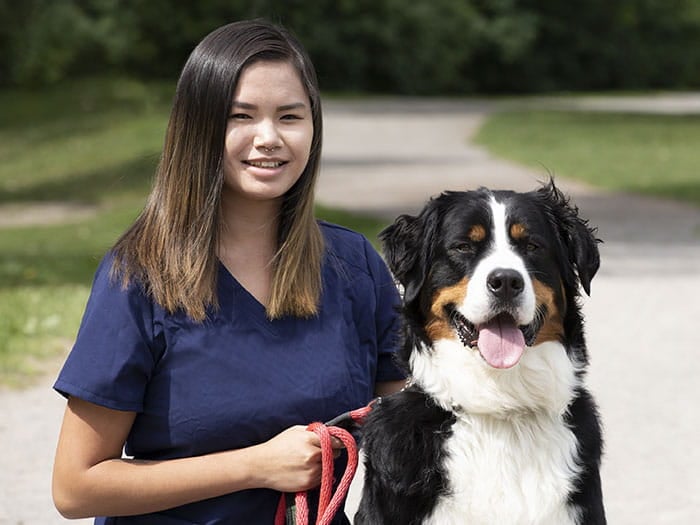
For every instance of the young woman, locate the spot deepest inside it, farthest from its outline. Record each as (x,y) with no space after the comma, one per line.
(226,318)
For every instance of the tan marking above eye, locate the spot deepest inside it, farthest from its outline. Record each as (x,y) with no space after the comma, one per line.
(477,233)
(518,231)
(437,325)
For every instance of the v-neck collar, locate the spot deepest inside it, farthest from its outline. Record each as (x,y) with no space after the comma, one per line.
(245,303)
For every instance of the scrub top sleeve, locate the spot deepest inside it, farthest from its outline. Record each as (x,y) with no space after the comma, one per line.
(387,317)
(114,353)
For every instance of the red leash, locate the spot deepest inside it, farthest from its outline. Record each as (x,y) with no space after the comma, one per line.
(328,502)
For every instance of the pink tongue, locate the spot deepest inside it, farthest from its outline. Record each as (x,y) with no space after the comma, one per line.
(501,343)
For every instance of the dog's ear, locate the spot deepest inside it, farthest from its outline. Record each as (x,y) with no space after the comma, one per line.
(406,245)
(579,239)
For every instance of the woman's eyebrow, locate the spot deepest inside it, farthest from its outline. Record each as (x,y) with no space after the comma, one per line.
(244,105)
(289,107)
(284,107)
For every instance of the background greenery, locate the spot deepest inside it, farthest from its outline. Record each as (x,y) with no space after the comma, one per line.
(394,46)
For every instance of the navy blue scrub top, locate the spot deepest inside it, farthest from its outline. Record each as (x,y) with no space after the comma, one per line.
(236,379)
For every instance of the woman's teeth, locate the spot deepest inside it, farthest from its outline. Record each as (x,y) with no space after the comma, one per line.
(265,164)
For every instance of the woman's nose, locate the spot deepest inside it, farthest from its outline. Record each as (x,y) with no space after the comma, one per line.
(266,135)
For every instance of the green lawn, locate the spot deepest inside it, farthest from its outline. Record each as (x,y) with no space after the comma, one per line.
(94,142)
(650,154)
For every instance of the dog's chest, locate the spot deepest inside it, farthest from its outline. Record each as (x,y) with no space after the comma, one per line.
(508,471)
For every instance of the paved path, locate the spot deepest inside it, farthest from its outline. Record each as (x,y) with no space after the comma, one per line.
(388,157)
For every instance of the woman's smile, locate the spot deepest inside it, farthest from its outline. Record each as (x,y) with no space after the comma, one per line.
(265,166)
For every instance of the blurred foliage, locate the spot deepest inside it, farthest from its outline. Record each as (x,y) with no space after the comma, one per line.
(417,47)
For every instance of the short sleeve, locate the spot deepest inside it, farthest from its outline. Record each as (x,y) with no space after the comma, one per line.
(114,353)
(387,317)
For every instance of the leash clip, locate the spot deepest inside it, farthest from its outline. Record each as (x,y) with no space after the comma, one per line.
(353,418)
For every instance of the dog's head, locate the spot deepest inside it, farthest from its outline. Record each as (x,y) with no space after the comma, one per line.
(498,271)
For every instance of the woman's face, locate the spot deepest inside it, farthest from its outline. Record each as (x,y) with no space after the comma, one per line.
(269,132)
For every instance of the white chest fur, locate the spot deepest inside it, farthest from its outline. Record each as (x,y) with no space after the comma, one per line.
(508,471)
(511,458)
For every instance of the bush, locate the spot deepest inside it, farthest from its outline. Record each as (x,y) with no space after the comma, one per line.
(392,46)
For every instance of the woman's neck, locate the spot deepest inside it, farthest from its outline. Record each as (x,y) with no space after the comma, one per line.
(247,222)
(248,243)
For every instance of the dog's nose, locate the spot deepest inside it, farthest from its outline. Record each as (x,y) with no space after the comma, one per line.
(505,284)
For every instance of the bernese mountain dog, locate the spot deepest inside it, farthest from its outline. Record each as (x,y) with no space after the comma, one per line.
(496,426)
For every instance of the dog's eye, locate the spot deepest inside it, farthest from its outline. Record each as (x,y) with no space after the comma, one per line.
(463,248)
(532,246)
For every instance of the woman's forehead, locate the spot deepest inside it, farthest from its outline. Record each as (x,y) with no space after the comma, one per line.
(266,81)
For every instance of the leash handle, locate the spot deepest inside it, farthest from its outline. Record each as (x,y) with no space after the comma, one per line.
(328,502)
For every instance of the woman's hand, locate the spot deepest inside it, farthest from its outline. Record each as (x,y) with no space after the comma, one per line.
(291,461)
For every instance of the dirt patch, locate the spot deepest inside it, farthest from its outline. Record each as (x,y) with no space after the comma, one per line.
(43,213)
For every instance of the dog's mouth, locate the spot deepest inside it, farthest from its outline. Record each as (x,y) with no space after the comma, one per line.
(500,341)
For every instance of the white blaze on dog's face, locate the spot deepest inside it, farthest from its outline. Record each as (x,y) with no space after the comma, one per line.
(500,295)
(501,271)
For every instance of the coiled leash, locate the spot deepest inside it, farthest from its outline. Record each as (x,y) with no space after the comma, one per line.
(328,503)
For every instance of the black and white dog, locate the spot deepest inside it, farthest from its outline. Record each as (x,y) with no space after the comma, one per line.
(496,426)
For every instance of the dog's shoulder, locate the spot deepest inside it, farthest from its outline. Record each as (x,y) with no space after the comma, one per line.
(400,428)
(405,414)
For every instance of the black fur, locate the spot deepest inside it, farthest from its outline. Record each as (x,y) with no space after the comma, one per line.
(403,489)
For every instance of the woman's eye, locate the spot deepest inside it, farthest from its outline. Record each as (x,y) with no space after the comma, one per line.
(239,116)
(291,117)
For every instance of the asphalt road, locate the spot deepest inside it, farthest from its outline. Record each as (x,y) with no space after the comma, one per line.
(389,156)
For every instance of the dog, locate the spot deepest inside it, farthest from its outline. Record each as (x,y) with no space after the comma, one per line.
(495,426)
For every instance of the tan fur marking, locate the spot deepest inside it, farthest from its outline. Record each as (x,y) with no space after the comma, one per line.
(477,233)
(438,326)
(518,231)
(553,327)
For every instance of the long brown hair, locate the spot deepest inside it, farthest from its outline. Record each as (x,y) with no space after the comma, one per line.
(172,246)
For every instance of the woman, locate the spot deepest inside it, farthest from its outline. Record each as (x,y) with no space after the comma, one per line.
(226,318)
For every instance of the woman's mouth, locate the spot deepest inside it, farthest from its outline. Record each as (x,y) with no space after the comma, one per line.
(265,164)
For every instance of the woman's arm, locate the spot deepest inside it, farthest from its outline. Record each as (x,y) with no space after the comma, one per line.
(385,388)
(90,477)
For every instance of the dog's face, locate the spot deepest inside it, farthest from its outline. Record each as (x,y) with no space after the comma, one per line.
(496,271)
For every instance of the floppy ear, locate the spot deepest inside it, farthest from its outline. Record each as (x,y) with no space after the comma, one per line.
(406,245)
(577,236)
(585,252)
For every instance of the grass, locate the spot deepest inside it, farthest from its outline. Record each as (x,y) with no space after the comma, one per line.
(647,154)
(92,141)
(37,324)
(81,140)
(45,277)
